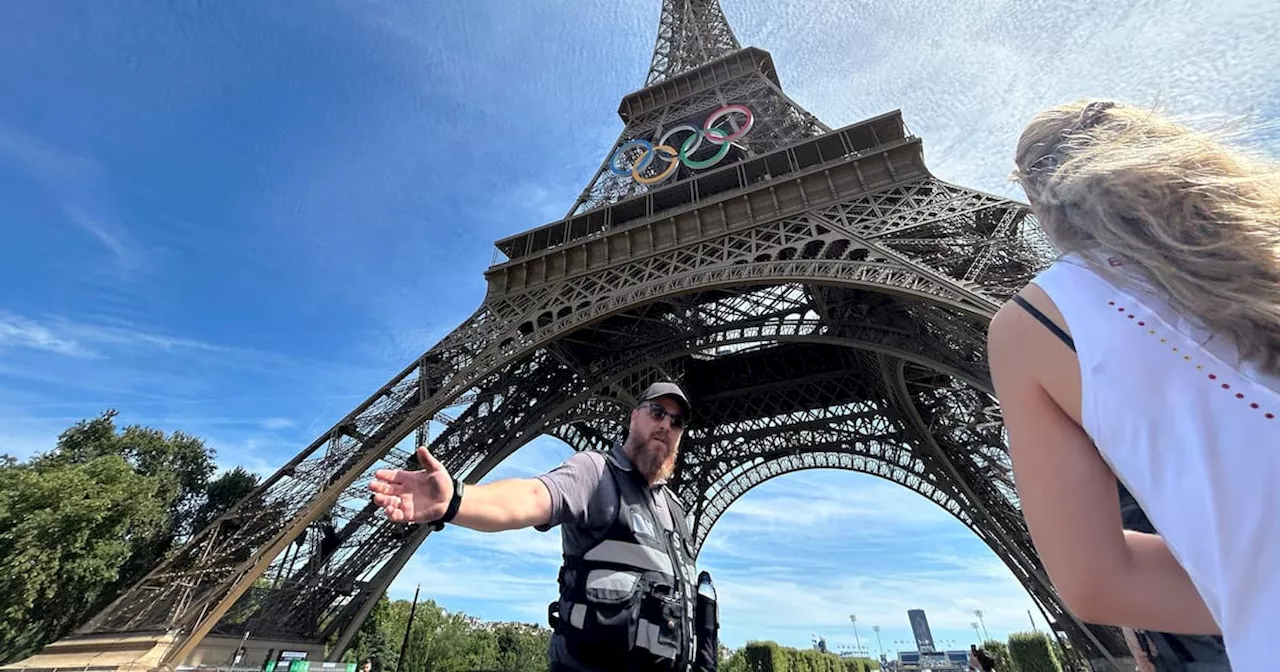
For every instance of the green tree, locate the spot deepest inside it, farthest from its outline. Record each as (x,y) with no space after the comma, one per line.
(374,640)
(440,642)
(447,642)
(1032,652)
(65,533)
(521,648)
(221,494)
(111,505)
(1000,652)
(731,660)
(181,463)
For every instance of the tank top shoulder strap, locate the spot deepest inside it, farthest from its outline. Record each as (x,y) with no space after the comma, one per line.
(1044,319)
(1076,291)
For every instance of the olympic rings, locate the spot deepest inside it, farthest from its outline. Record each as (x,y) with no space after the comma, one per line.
(665,150)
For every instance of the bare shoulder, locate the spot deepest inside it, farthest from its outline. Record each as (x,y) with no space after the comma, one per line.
(1009,337)
(1026,357)
(1014,331)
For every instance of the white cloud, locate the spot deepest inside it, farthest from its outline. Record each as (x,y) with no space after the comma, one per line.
(857,545)
(793,608)
(111,237)
(473,581)
(528,544)
(47,162)
(16,331)
(277,423)
(820,502)
(64,335)
(82,190)
(969,75)
(255,453)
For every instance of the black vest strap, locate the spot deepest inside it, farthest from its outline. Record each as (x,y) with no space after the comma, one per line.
(1040,317)
(677,514)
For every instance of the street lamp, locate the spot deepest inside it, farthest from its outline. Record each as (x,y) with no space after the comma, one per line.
(854,620)
(880,646)
(978,613)
(977,634)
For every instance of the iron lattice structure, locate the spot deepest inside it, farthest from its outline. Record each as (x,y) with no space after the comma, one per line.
(822,297)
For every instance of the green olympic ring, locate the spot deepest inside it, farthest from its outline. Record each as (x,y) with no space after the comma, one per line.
(674,157)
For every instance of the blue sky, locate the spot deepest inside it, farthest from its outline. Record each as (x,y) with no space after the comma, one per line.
(240,219)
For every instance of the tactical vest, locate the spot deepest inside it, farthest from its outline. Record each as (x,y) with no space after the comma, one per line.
(627,603)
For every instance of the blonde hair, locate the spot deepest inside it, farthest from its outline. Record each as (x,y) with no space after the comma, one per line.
(1194,217)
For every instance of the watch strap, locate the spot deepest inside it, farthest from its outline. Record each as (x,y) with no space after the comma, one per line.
(454,503)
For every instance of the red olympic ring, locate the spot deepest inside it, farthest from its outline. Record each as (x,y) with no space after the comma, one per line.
(675,157)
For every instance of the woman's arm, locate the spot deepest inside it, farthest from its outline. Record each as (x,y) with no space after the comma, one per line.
(1070,501)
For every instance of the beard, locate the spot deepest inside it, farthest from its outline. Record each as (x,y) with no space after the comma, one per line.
(655,459)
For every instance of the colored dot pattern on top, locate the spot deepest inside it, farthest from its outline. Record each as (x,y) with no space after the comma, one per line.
(1187,358)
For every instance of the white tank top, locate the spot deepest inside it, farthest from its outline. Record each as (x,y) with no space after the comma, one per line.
(1194,434)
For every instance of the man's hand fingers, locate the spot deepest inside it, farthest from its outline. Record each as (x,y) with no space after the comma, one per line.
(387,475)
(428,461)
(387,501)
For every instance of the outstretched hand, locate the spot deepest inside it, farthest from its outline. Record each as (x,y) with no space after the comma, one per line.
(414,496)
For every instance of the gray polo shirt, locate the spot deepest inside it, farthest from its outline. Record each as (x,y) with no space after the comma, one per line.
(584,503)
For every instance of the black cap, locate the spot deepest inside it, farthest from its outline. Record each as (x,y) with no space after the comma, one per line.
(668,390)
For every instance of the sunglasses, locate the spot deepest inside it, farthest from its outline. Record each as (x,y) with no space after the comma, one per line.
(657,412)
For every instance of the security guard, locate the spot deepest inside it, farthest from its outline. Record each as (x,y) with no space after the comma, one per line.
(627,587)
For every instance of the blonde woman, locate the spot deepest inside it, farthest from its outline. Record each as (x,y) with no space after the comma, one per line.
(1149,352)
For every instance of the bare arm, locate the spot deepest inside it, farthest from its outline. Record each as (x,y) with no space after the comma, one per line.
(504,505)
(423,495)
(1068,494)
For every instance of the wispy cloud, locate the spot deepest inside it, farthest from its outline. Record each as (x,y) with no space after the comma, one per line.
(969,75)
(47,162)
(112,240)
(451,581)
(81,191)
(67,336)
(19,332)
(277,423)
(55,370)
(821,602)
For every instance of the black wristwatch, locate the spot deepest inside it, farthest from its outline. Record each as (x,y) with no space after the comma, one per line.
(454,503)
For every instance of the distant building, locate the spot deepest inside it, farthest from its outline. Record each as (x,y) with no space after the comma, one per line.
(920,628)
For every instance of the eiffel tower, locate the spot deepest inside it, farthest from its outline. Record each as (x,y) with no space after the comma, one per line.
(821,296)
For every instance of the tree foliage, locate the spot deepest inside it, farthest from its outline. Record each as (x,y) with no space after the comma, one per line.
(1033,652)
(772,657)
(64,535)
(446,642)
(1000,652)
(81,523)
